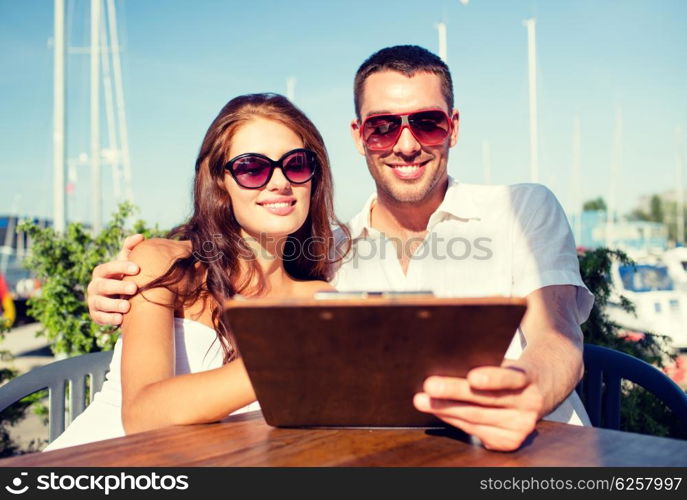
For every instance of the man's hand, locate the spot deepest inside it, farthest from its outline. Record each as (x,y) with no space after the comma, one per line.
(501,405)
(498,405)
(106,285)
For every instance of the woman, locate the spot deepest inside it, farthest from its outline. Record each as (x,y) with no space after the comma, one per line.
(262,190)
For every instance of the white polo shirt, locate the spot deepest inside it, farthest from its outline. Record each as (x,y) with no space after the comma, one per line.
(483,240)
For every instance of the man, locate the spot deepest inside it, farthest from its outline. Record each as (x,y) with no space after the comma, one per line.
(424,230)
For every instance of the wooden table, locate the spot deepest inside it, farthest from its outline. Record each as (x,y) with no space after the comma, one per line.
(246,440)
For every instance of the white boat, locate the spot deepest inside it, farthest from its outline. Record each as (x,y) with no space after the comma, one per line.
(675,260)
(659,307)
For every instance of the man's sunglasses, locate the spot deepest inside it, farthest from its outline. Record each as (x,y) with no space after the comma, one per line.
(380,132)
(253,170)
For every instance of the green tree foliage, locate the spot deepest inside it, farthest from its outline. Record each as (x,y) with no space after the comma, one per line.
(662,211)
(639,214)
(594,205)
(9,417)
(16,412)
(656,209)
(64,263)
(640,411)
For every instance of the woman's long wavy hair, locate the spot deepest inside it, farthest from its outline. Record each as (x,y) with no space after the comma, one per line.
(221,263)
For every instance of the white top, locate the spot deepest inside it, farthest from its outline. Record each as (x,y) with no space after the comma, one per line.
(197,349)
(482,240)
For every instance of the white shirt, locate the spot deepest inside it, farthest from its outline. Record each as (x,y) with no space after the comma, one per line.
(196,349)
(483,240)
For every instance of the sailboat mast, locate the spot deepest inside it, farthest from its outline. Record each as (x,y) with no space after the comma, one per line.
(119,100)
(616,164)
(680,234)
(113,157)
(291,88)
(96,181)
(59,121)
(577,179)
(443,48)
(530,24)
(486,160)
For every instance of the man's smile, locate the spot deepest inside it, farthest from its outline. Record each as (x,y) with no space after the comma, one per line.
(408,170)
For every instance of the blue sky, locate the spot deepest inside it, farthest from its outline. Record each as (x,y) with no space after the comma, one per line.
(182,60)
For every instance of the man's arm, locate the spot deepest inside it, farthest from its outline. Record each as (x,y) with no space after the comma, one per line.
(554,343)
(106,285)
(501,405)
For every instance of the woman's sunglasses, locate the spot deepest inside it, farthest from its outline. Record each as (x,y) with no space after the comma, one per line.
(430,128)
(253,170)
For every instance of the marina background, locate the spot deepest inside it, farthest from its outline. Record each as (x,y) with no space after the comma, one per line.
(611,97)
(181,61)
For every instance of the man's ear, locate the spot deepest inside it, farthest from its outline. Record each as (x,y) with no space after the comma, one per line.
(455,119)
(357,139)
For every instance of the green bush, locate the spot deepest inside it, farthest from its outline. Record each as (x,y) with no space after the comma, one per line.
(63,263)
(640,411)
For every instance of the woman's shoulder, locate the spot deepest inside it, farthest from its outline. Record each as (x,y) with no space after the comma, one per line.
(156,255)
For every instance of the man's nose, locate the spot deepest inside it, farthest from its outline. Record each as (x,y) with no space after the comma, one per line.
(407,144)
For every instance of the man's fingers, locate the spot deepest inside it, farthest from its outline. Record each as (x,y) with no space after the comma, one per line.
(107,305)
(104,287)
(504,418)
(497,378)
(129,243)
(107,318)
(492,438)
(106,283)
(459,389)
(115,269)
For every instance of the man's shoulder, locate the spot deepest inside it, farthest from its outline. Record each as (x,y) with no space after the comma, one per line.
(523,189)
(516,197)
(530,189)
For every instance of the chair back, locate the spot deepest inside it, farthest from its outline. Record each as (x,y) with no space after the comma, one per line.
(55,377)
(600,387)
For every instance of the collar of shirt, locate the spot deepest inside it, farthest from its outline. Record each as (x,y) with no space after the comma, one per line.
(458,204)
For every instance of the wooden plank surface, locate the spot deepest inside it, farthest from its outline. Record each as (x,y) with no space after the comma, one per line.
(246,440)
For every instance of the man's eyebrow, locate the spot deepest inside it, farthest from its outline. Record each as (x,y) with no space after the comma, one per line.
(378,112)
(387,112)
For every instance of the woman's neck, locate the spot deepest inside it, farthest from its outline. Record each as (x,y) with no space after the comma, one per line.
(269,255)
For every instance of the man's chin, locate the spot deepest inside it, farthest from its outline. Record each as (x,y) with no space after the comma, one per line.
(414,192)
(409,191)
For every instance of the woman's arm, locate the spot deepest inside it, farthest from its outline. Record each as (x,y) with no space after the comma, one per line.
(152,396)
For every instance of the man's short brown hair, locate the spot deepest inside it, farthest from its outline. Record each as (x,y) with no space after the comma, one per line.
(405,59)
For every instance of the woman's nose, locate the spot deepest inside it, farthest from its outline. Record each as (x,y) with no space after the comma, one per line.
(278,181)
